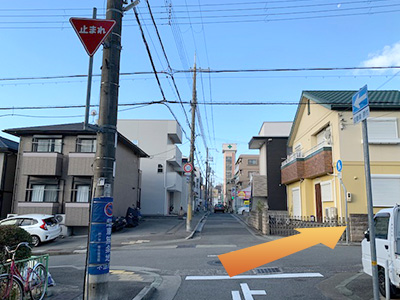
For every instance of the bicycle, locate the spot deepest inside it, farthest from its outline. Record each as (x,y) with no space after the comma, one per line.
(17,284)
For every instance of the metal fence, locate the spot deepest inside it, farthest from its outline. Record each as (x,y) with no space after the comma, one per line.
(284,225)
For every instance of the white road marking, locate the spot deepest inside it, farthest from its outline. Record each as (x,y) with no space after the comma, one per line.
(212,255)
(272,276)
(248,294)
(236,295)
(216,246)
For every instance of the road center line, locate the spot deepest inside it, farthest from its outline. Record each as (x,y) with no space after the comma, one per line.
(272,276)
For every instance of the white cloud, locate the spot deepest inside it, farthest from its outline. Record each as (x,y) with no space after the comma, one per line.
(388,56)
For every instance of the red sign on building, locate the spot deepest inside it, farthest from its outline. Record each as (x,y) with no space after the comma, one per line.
(92,32)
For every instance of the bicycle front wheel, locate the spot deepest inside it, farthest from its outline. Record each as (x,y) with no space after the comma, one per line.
(10,288)
(37,282)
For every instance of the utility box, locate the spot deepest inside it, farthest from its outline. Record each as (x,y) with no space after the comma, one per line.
(348,196)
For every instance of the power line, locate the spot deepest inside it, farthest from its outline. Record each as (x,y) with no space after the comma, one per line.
(149,53)
(173,72)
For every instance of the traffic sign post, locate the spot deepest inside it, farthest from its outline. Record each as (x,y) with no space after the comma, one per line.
(339,167)
(360,107)
(188,168)
(92,34)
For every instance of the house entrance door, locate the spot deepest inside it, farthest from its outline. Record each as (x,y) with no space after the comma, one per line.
(318,202)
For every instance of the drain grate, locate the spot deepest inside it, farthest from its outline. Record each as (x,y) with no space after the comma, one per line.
(272,270)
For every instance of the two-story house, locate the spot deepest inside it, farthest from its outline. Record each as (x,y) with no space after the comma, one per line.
(162,173)
(272,144)
(55,171)
(323,133)
(8,161)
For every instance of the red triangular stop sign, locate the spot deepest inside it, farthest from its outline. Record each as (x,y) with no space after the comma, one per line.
(92,32)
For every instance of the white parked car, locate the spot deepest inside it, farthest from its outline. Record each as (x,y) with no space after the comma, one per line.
(243,209)
(42,228)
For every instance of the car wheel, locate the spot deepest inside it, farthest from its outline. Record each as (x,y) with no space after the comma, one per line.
(35,240)
(394,292)
(242,212)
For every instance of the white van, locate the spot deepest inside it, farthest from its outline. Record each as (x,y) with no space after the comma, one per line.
(387,237)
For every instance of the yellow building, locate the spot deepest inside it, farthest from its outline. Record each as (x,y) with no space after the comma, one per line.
(323,133)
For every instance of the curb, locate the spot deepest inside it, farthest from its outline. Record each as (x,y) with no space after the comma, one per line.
(148,291)
(197,228)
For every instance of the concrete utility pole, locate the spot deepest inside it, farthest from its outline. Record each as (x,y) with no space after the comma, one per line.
(206,189)
(191,158)
(103,179)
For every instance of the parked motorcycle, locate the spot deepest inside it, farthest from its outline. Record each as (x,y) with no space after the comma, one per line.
(132,217)
(118,223)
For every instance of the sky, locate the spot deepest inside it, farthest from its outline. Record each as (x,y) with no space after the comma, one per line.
(38,41)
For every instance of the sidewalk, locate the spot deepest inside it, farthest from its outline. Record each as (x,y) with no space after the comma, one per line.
(124,282)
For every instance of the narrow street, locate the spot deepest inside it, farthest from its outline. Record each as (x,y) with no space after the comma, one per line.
(190,269)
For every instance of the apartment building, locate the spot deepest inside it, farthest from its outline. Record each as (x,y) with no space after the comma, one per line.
(54,172)
(162,173)
(229,152)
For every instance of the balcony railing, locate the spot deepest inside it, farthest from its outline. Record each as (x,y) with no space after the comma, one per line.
(300,154)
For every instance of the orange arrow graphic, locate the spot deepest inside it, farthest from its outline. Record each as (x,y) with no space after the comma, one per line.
(246,259)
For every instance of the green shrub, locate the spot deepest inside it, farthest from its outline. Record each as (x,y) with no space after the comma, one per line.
(11,236)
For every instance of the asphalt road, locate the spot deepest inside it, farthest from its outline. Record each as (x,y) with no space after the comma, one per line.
(191,270)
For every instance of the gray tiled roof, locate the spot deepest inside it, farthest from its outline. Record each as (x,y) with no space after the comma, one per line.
(71,129)
(6,144)
(342,99)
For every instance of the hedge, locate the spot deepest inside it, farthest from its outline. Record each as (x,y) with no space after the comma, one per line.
(11,236)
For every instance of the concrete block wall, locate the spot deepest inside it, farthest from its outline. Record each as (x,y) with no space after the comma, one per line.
(358,225)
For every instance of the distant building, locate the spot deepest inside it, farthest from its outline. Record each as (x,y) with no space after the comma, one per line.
(162,173)
(229,151)
(8,161)
(272,144)
(55,173)
(246,166)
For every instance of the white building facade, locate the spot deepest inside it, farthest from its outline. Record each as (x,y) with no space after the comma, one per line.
(162,179)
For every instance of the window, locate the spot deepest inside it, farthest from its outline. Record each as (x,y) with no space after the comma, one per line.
(385,189)
(252,162)
(326,191)
(11,222)
(43,193)
(229,159)
(28,222)
(46,145)
(86,145)
(159,168)
(381,227)
(81,189)
(382,130)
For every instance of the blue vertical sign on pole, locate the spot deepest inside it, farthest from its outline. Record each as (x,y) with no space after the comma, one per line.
(100,236)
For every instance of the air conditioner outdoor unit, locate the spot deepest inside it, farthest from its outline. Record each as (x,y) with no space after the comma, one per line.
(331,212)
(65,230)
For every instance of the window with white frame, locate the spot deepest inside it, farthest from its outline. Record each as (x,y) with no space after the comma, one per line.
(326,191)
(385,189)
(382,131)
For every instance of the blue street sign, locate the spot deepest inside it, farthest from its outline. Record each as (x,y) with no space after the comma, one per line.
(339,165)
(360,105)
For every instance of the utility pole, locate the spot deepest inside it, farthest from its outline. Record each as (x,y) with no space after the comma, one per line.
(191,158)
(104,164)
(206,189)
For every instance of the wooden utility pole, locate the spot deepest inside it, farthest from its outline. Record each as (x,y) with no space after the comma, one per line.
(191,158)
(103,179)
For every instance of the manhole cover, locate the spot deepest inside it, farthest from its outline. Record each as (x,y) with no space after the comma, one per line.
(271,270)
(215,262)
